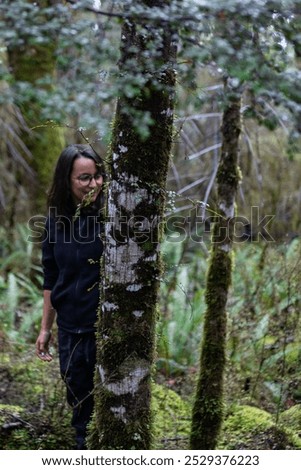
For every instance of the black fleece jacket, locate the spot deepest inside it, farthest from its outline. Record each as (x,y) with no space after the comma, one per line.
(71,252)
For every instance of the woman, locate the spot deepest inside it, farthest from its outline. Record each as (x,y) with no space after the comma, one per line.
(71,251)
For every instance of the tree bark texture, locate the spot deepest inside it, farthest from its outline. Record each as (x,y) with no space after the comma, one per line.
(30,62)
(208,406)
(131,262)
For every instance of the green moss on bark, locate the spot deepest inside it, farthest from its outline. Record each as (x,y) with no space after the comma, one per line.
(208,410)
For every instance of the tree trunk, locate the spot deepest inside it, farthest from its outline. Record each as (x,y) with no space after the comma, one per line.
(208,406)
(131,263)
(30,63)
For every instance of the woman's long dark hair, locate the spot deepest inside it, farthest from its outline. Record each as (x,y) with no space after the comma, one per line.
(60,202)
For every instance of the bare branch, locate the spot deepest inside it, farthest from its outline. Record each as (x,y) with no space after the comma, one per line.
(204,151)
(176,174)
(193,184)
(195,117)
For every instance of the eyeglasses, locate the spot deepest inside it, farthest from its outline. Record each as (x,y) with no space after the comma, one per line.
(85,179)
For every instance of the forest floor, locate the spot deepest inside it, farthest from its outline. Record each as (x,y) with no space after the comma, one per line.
(34,414)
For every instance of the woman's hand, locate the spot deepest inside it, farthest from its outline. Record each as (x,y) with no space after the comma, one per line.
(42,343)
(42,346)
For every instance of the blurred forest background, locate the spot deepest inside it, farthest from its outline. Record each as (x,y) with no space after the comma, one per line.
(58,84)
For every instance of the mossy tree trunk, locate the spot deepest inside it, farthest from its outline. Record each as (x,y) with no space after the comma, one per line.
(208,406)
(31,62)
(131,262)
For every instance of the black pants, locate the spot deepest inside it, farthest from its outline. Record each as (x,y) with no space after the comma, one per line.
(77,354)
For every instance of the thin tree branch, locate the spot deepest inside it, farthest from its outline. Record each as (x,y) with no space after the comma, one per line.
(138,17)
(194,117)
(191,185)
(204,151)
(187,142)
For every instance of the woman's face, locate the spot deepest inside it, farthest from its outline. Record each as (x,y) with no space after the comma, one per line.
(85,177)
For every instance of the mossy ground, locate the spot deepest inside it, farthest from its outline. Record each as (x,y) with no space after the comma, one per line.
(248,427)
(34,414)
(172,417)
(291,418)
